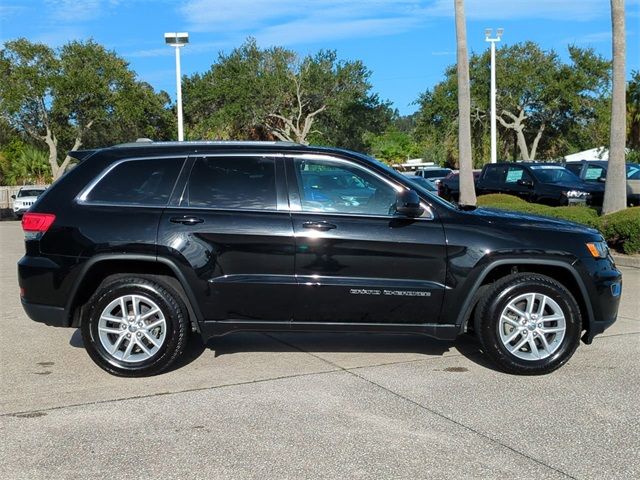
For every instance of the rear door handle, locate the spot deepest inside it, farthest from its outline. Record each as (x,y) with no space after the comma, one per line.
(186,220)
(323,226)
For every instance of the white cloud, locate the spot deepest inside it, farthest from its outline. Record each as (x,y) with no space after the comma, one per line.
(297,21)
(74,11)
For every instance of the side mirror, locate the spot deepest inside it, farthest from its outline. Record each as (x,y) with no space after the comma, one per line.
(602,179)
(525,183)
(13,196)
(408,204)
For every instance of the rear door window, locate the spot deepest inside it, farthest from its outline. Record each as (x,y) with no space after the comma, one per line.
(137,182)
(233,183)
(494,174)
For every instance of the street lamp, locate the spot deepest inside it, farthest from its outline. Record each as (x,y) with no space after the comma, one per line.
(488,38)
(177,40)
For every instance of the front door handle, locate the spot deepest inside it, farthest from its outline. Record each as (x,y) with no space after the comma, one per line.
(322,226)
(186,220)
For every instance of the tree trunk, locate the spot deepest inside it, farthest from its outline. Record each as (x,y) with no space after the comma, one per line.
(465,160)
(52,142)
(615,192)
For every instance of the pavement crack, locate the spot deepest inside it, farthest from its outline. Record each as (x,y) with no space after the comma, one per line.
(26,413)
(423,407)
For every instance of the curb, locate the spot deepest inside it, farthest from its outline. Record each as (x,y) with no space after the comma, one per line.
(632,261)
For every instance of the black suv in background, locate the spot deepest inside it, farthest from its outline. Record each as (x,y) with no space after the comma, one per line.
(596,171)
(547,183)
(142,245)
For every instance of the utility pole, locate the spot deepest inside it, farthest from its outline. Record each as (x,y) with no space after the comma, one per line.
(178,40)
(494,133)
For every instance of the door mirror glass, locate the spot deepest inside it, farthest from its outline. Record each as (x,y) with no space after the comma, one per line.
(408,204)
(13,196)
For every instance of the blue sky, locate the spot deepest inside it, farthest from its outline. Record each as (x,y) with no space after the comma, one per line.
(406,43)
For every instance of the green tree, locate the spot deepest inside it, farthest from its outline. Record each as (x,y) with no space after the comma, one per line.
(633,111)
(547,108)
(264,94)
(392,146)
(59,96)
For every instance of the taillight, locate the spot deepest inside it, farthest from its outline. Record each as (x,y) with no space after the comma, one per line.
(37,223)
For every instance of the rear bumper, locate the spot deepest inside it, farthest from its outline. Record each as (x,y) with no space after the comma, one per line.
(47,314)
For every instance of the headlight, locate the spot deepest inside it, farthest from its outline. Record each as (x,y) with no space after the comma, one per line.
(575,194)
(598,249)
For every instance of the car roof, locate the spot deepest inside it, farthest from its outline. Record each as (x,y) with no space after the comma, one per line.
(150,148)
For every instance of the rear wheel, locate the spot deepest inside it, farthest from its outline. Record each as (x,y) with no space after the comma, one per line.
(528,324)
(135,327)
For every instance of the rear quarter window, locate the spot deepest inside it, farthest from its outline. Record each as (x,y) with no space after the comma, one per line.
(137,182)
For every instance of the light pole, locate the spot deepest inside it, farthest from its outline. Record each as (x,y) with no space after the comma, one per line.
(178,40)
(487,37)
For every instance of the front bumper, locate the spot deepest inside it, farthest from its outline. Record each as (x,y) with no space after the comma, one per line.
(604,291)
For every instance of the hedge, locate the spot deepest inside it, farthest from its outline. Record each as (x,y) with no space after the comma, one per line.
(620,229)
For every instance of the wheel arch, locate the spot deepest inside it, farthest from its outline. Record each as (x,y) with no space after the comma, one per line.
(98,268)
(561,271)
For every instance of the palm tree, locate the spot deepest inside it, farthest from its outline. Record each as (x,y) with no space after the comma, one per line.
(615,193)
(465,161)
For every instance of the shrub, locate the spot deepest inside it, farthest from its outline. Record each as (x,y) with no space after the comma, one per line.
(620,229)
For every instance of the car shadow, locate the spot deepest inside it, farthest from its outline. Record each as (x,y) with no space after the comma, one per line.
(322,342)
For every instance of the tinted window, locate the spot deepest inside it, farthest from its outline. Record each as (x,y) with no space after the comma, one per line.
(494,174)
(138,182)
(574,168)
(329,186)
(30,193)
(554,174)
(233,182)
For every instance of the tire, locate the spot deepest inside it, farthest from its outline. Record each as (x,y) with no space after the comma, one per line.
(530,344)
(130,345)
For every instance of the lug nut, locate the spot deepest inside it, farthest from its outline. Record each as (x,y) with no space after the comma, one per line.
(138,334)
(128,335)
(122,327)
(540,325)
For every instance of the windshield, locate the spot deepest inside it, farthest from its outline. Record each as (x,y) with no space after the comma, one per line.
(633,171)
(554,174)
(30,193)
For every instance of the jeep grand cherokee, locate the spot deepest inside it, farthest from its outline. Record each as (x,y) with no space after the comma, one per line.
(142,245)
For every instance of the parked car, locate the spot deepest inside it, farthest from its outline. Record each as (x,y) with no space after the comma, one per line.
(596,171)
(547,183)
(422,182)
(142,245)
(433,173)
(25,197)
(449,186)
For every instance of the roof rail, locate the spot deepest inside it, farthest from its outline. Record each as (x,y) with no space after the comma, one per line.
(145,142)
(80,155)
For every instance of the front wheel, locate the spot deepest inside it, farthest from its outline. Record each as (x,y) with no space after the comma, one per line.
(529,324)
(135,327)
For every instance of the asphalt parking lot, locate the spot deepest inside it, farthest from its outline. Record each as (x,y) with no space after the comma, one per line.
(314,406)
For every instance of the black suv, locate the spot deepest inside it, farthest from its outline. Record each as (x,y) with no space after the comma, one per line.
(141,245)
(546,183)
(596,171)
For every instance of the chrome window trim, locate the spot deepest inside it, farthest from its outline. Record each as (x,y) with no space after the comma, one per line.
(81,198)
